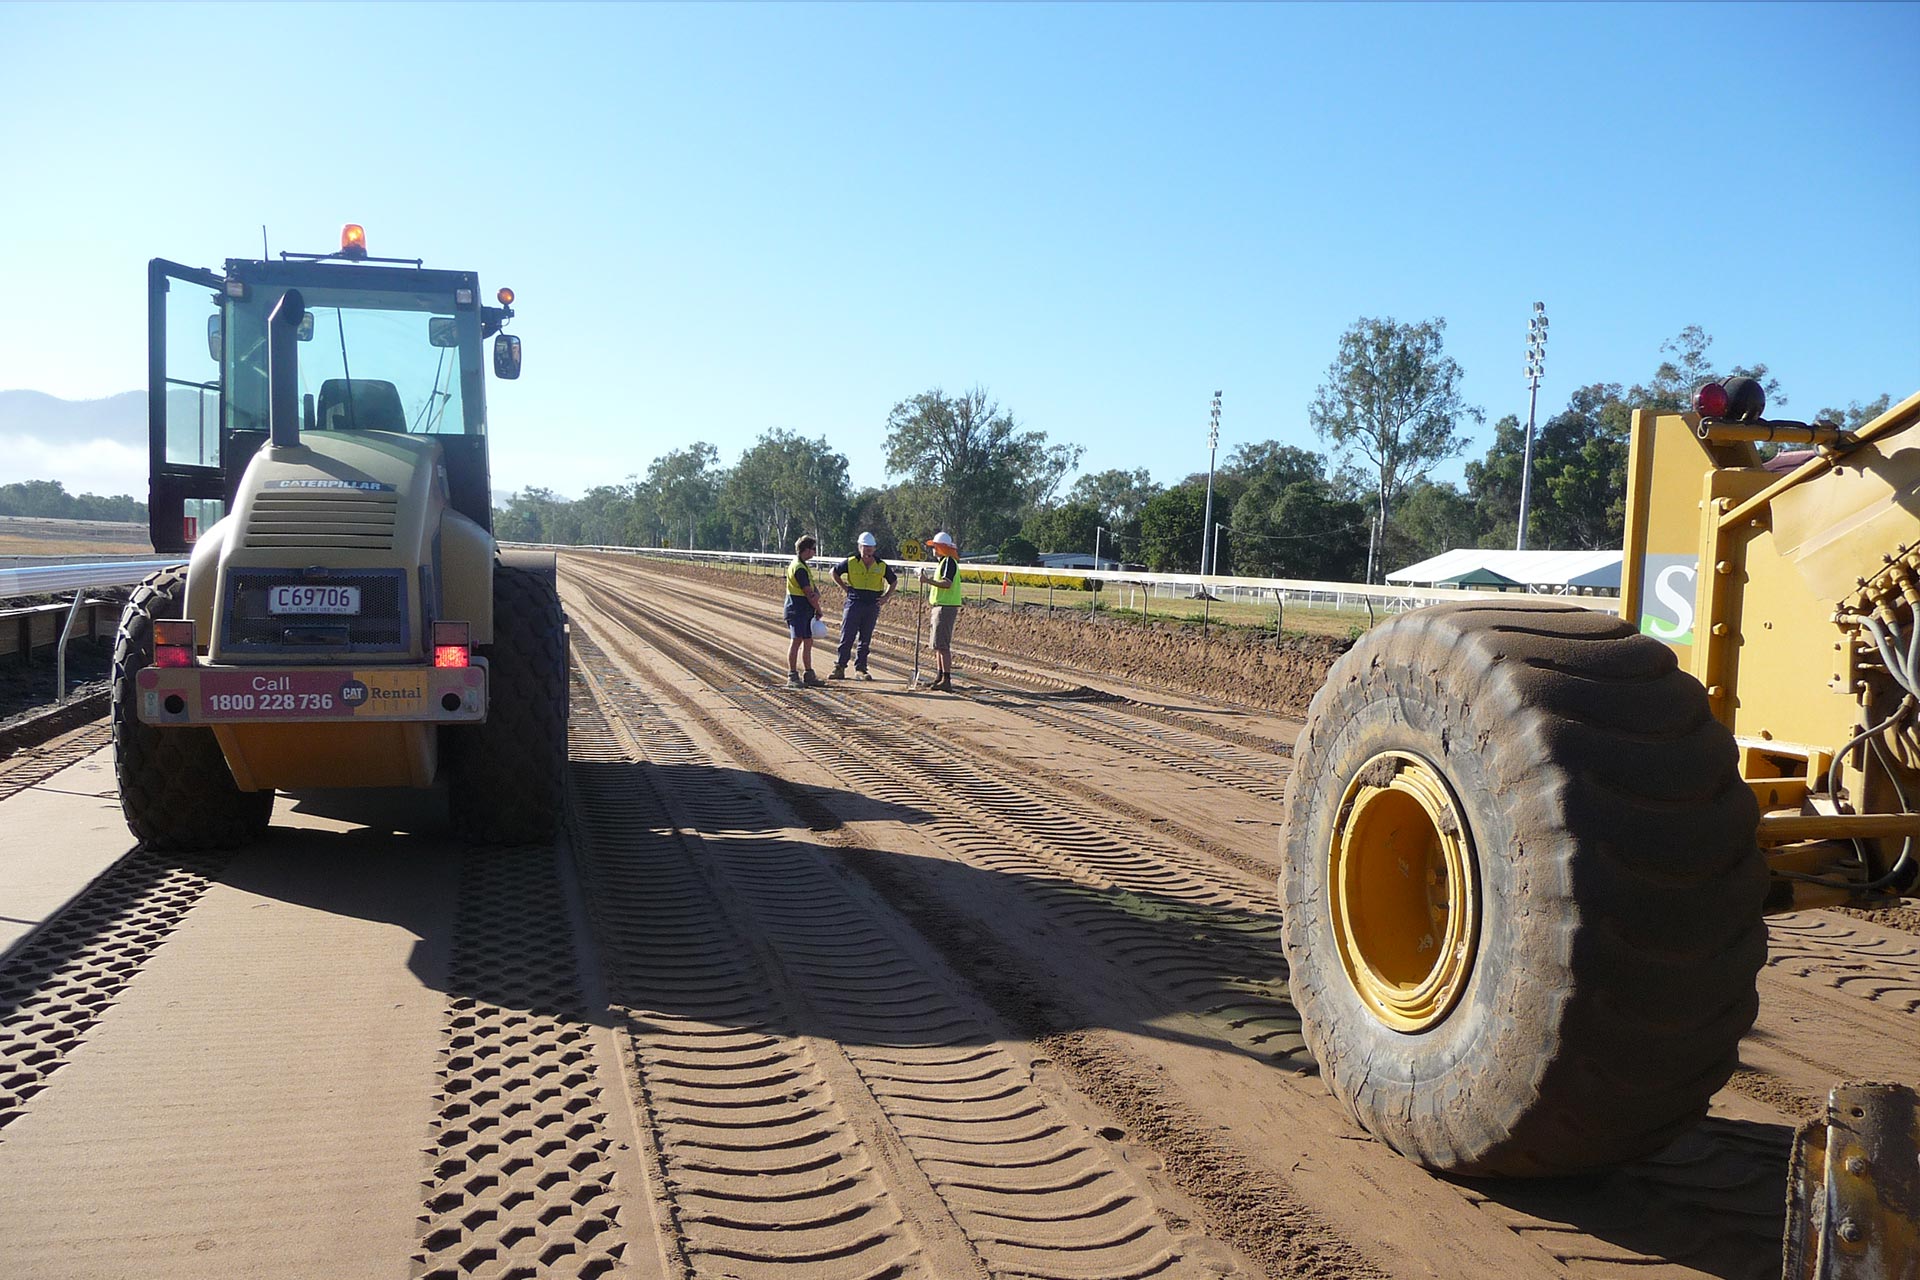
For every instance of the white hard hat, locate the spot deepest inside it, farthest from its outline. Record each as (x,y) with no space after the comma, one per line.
(868,540)
(943,539)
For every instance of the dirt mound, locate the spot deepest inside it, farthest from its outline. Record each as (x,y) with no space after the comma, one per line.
(1227,665)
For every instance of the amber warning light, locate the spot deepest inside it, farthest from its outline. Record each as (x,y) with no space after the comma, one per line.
(506,297)
(353,241)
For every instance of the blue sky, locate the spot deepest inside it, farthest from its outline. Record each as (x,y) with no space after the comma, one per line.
(720,219)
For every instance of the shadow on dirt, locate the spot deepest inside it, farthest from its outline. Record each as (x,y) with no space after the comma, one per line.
(664,853)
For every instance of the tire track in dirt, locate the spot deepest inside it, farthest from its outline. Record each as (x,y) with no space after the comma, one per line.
(1198,737)
(1197,748)
(58,983)
(522,1147)
(980,1175)
(1663,1208)
(1199,936)
(31,766)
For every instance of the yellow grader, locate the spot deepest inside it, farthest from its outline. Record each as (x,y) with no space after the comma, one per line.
(1529,849)
(318,449)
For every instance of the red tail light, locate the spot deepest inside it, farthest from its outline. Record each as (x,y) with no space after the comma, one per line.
(173,642)
(1710,401)
(450,647)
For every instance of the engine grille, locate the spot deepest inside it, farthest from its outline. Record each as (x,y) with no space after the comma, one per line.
(381,624)
(326,518)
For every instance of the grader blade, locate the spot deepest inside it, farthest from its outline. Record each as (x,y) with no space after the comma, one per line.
(1853,1188)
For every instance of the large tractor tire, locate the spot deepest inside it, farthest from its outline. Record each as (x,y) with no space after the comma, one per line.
(1520,890)
(175,787)
(507,777)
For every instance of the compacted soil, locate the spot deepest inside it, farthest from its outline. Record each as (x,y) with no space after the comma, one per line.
(854,981)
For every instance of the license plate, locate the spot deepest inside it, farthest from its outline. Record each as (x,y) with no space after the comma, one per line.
(340,600)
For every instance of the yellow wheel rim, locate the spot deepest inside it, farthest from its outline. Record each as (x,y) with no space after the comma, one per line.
(1405,891)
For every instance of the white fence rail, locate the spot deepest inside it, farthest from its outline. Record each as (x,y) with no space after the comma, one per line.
(58,579)
(1336,595)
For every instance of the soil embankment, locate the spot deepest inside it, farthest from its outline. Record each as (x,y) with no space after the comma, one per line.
(1231,664)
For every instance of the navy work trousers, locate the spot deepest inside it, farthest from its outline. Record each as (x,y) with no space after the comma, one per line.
(858,621)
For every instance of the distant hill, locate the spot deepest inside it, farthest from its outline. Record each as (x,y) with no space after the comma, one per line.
(121,418)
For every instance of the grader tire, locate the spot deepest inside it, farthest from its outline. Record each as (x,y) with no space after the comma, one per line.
(507,777)
(1520,890)
(175,787)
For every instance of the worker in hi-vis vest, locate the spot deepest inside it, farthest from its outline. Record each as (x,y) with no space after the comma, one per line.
(943,589)
(868,581)
(803,606)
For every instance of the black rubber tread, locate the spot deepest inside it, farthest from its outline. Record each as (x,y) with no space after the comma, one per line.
(175,787)
(507,777)
(1621,886)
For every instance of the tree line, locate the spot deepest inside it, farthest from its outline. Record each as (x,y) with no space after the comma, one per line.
(1360,502)
(49,500)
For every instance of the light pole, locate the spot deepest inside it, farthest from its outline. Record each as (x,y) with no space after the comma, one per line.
(1536,367)
(1213,445)
(1217,527)
(1097,531)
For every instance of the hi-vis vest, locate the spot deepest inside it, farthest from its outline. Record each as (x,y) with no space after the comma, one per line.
(861,578)
(793,578)
(945,588)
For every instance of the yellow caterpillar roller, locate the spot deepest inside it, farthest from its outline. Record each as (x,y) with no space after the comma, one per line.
(1529,848)
(318,451)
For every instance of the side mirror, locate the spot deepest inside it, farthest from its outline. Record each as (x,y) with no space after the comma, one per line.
(213,336)
(443,331)
(506,355)
(305,331)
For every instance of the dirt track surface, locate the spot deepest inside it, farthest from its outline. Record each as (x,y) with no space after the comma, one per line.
(838,982)
(1229,664)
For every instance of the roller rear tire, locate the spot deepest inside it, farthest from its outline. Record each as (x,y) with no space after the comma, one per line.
(1520,890)
(175,787)
(507,777)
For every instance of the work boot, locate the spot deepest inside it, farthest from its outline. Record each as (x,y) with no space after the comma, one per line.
(944,682)
(839,672)
(864,674)
(793,679)
(812,681)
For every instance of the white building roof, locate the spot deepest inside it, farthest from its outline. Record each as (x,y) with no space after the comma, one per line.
(1559,570)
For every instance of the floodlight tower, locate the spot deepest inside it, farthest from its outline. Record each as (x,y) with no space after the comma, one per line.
(1536,368)
(1213,446)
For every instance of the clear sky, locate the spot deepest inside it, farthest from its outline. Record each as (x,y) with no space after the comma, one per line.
(721,219)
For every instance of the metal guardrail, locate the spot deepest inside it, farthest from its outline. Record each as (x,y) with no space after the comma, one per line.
(1290,589)
(58,579)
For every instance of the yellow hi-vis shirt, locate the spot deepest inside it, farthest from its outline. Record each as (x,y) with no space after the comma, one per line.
(861,577)
(799,578)
(945,588)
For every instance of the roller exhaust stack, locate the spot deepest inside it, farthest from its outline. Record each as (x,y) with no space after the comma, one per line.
(283,359)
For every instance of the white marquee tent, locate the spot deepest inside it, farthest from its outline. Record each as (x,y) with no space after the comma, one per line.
(1554,571)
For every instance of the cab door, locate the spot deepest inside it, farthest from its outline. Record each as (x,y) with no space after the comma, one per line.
(186,485)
